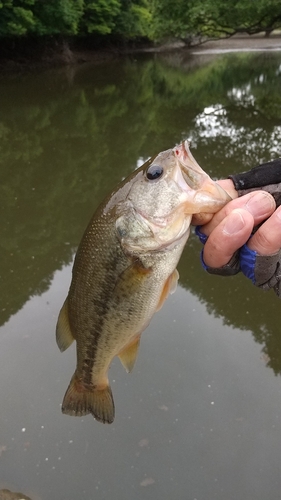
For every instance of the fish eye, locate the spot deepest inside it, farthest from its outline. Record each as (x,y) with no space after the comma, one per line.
(154,172)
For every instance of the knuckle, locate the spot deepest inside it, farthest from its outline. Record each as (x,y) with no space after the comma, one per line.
(264,243)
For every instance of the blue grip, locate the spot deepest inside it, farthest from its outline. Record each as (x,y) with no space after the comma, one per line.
(248,262)
(202,237)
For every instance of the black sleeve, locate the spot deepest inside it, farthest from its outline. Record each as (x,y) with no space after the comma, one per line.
(262,175)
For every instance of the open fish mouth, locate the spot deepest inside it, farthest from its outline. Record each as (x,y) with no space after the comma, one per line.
(204,194)
(191,171)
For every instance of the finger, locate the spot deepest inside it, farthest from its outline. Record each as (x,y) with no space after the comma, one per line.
(267,239)
(228,186)
(201,219)
(259,204)
(227,237)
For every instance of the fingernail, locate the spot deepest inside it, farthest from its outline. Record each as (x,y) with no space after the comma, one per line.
(260,204)
(234,223)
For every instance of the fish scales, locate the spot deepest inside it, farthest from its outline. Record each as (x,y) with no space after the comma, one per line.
(124,269)
(117,307)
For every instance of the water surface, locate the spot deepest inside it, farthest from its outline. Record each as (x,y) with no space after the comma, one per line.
(199,417)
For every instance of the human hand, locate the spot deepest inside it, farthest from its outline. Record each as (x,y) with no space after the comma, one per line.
(231,228)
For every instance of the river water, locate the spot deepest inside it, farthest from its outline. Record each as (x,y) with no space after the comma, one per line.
(200,416)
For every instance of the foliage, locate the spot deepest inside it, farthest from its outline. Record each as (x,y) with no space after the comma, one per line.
(214,18)
(134,19)
(57,16)
(171,18)
(71,17)
(16,17)
(155,19)
(100,16)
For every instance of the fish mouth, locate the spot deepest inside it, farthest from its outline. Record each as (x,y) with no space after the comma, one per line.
(191,171)
(201,193)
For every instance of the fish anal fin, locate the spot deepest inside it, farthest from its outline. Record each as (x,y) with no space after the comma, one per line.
(64,335)
(80,400)
(129,354)
(169,287)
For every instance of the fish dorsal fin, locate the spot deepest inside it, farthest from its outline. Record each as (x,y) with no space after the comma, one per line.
(128,355)
(64,335)
(169,287)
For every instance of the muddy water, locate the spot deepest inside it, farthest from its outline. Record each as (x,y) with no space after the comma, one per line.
(200,416)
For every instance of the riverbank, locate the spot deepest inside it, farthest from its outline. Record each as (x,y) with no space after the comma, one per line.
(19,55)
(241,43)
(237,43)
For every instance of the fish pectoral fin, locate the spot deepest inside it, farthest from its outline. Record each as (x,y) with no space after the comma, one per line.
(79,401)
(64,335)
(169,287)
(129,354)
(132,278)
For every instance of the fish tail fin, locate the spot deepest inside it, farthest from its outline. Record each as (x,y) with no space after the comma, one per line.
(79,401)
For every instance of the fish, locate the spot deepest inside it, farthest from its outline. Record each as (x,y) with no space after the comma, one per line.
(125,268)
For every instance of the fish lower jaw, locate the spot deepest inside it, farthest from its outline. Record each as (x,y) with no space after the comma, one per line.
(180,239)
(162,245)
(167,239)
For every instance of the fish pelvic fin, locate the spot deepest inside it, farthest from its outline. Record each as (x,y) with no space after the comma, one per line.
(64,335)
(128,355)
(79,401)
(169,287)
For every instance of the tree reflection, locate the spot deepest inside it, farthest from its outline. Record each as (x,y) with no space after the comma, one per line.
(64,144)
(237,301)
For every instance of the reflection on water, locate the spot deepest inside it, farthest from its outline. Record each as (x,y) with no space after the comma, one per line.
(201,411)
(214,124)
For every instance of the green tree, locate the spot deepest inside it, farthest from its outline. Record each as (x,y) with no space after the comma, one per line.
(171,18)
(134,19)
(213,18)
(39,17)
(99,16)
(16,17)
(57,16)
(125,18)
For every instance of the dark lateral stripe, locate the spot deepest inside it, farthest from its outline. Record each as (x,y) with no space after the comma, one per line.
(101,307)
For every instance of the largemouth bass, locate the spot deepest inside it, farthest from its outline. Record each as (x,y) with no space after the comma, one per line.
(124,269)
